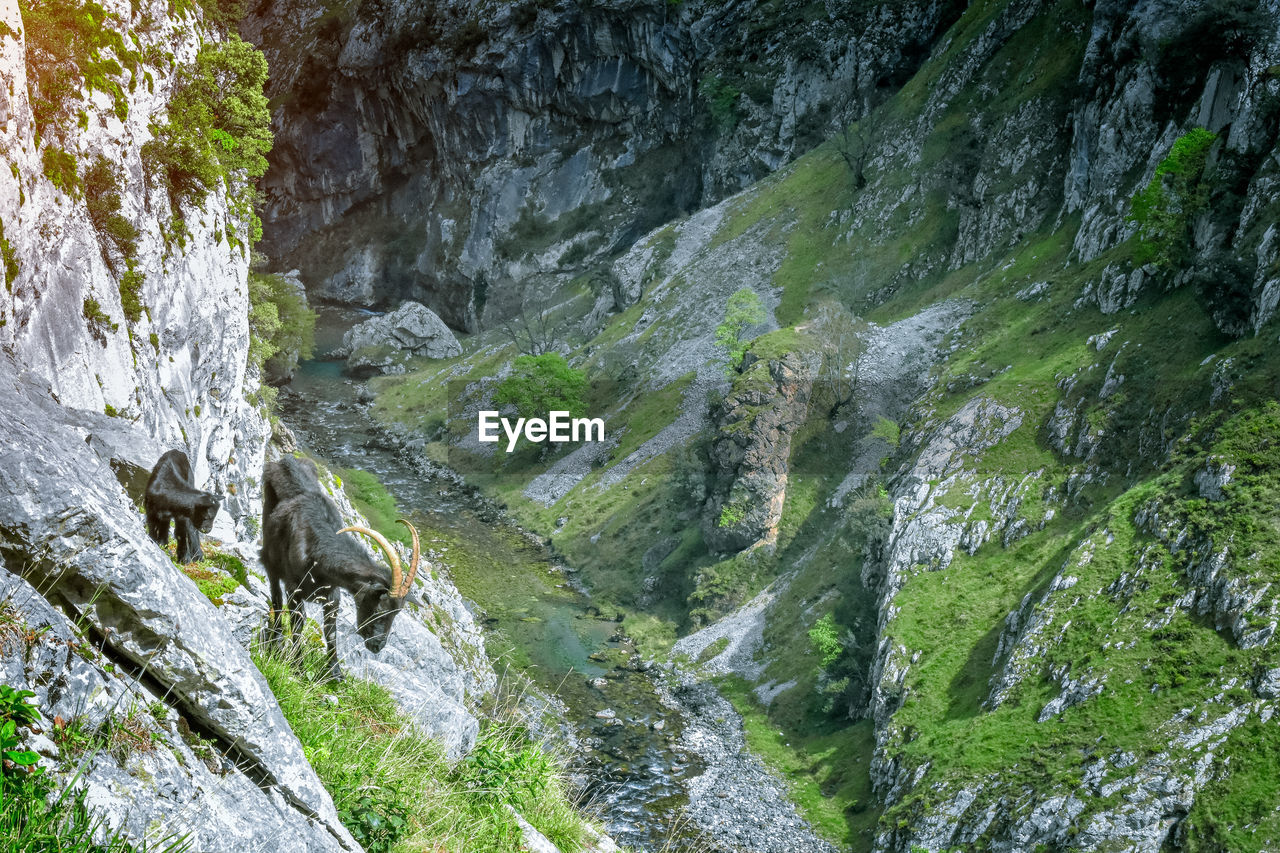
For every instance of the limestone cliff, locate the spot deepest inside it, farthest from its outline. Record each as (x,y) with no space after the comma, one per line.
(453,152)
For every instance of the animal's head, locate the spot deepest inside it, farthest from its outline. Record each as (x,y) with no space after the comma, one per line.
(377,605)
(205,510)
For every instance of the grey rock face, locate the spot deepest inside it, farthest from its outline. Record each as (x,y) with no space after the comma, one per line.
(751,452)
(381,344)
(71,533)
(435,151)
(154,786)
(1121,127)
(1212,477)
(179,370)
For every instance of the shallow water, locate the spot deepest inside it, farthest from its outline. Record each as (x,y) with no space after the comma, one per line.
(629,771)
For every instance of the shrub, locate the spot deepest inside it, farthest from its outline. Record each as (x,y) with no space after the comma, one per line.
(743,310)
(99,321)
(131,284)
(543,383)
(281,326)
(218,129)
(722,101)
(825,639)
(8,260)
(1164,208)
(60,169)
(102,198)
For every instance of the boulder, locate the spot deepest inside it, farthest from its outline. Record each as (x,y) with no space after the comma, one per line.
(383,344)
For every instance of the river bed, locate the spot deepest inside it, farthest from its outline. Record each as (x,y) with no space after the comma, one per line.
(537,617)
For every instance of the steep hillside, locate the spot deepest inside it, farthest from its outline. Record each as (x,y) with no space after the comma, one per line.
(1000,447)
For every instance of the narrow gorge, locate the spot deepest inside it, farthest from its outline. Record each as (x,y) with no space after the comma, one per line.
(935,350)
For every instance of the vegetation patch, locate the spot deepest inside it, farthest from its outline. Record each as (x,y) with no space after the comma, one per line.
(218,132)
(374,502)
(391,783)
(216,575)
(1164,208)
(540,384)
(72,49)
(281,325)
(8,260)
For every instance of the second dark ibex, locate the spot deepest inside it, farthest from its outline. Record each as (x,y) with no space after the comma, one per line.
(308,559)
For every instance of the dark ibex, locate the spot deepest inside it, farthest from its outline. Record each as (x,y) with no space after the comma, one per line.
(171,497)
(308,559)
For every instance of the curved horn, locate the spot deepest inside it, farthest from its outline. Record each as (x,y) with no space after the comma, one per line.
(413,560)
(392,556)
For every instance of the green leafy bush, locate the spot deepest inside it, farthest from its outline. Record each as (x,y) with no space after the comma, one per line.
(825,639)
(743,311)
(731,514)
(102,198)
(218,129)
(1164,208)
(722,100)
(131,284)
(540,384)
(60,169)
(15,712)
(99,321)
(281,326)
(8,260)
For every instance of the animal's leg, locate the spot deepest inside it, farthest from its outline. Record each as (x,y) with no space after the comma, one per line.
(158,529)
(274,638)
(188,537)
(331,634)
(297,621)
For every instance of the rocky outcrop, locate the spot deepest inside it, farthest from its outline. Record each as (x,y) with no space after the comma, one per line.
(69,536)
(444,152)
(751,452)
(384,344)
(1202,67)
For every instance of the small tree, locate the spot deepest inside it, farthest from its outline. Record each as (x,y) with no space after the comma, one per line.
(855,144)
(842,334)
(528,326)
(543,383)
(743,311)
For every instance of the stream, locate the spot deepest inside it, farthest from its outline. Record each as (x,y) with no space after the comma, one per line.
(536,615)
